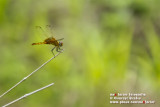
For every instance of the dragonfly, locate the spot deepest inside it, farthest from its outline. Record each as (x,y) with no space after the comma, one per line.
(51,41)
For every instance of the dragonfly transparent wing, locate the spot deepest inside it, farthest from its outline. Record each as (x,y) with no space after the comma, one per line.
(43,33)
(49,29)
(60,39)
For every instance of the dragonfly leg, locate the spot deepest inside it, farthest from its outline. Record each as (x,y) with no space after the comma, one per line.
(58,49)
(53,50)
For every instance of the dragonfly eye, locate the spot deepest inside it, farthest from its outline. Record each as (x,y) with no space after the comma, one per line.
(60,43)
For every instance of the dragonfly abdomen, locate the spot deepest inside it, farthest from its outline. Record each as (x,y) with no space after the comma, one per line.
(39,43)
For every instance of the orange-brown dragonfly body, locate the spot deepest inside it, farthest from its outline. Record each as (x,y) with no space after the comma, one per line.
(52,41)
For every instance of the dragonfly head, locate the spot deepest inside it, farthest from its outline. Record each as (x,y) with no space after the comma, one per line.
(60,44)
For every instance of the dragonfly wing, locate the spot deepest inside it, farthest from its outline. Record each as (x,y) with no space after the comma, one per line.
(42,32)
(50,30)
(60,39)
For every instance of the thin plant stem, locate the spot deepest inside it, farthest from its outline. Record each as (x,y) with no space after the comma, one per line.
(28,94)
(30,74)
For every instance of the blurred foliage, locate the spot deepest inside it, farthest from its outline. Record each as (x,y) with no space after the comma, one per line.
(110,46)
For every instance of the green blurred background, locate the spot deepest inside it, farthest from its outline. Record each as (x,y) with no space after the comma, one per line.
(111,46)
